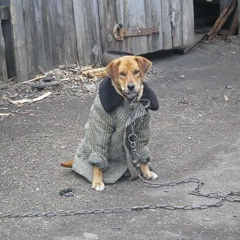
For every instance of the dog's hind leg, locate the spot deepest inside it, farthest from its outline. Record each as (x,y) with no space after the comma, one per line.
(97,182)
(147,173)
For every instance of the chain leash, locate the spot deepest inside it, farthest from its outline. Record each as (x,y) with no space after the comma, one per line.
(233,196)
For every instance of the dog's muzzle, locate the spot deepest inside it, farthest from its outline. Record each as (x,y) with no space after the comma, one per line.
(131,92)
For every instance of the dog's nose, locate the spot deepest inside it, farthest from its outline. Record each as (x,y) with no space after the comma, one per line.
(131,86)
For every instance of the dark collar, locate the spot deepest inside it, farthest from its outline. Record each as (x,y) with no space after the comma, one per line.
(110,99)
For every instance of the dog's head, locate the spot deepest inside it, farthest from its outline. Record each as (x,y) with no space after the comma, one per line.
(127,74)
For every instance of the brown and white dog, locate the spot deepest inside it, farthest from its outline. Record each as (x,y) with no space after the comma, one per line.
(127,78)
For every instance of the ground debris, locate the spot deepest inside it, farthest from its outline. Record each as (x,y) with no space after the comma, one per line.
(6,114)
(19,103)
(226,98)
(64,80)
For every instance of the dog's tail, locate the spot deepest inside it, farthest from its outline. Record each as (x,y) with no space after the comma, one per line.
(67,164)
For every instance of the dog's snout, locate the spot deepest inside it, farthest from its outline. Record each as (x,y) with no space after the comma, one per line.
(131,86)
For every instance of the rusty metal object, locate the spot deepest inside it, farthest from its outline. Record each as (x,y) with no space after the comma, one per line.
(119,32)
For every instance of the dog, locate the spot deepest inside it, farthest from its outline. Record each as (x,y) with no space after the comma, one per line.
(104,155)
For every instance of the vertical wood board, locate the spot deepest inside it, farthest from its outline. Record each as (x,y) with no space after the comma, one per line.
(238,9)
(166,25)
(20,41)
(3,66)
(187,22)
(87,31)
(153,18)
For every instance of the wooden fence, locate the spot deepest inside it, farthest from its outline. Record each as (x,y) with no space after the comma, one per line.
(47,33)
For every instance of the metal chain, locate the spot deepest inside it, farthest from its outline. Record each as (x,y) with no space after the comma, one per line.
(221,198)
(132,138)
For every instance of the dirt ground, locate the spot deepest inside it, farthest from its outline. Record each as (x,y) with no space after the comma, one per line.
(195,133)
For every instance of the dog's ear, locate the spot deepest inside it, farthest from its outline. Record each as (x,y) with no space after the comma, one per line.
(144,64)
(112,69)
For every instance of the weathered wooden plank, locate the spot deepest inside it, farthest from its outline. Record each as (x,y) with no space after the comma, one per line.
(56,31)
(176,22)
(87,31)
(185,48)
(32,37)
(187,22)
(20,41)
(238,9)
(134,16)
(154,19)
(45,25)
(3,66)
(166,25)
(111,17)
(70,38)
(8,39)
(40,52)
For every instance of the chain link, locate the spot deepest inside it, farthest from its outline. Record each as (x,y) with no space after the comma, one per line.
(61,213)
(132,138)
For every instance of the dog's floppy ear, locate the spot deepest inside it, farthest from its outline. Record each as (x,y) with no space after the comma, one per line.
(144,64)
(112,69)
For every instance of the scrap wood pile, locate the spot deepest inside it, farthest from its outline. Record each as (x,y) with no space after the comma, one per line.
(65,79)
(230,12)
(67,73)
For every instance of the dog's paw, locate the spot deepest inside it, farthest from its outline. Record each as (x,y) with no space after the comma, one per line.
(98,185)
(150,175)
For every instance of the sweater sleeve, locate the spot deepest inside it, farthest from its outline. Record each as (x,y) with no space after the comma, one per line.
(101,127)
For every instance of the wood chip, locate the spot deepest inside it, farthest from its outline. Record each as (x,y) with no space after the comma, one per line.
(26,100)
(226,98)
(6,114)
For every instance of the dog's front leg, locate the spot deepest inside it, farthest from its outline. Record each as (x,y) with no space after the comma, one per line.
(147,173)
(97,182)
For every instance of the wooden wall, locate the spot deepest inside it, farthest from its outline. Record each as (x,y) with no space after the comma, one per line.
(174,19)
(47,33)
(44,35)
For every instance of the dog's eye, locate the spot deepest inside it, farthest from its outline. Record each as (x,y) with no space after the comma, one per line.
(123,74)
(135,71)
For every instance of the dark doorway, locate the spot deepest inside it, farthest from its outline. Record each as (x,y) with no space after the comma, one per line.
(205,14)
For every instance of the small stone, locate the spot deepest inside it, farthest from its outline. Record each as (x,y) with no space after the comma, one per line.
(69,194)
(64,191)
(90,236)
(78,78)
(90,87)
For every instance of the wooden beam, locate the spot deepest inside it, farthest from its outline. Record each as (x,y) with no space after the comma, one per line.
(3,66)
(185,48)
(222,19)
(238,9)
